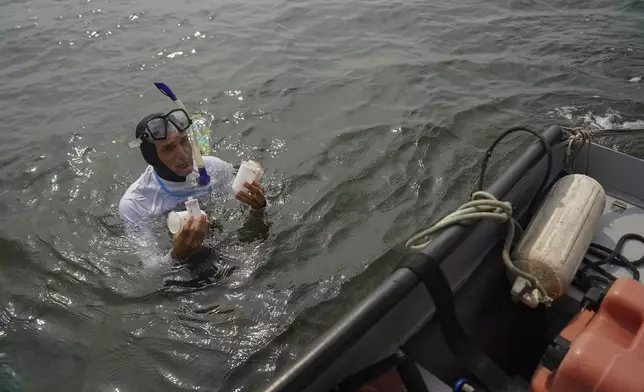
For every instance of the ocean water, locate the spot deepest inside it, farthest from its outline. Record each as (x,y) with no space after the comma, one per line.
(371,118)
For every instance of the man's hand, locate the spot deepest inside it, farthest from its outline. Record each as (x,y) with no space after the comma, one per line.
(254,197)
(189,239)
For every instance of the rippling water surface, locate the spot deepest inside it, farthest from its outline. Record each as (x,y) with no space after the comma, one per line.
(371,117)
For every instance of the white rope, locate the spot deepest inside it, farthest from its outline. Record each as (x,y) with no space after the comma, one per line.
(482,206)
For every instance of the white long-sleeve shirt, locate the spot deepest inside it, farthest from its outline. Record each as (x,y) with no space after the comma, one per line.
(150,196)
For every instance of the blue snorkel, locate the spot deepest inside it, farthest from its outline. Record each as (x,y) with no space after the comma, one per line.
(204,178)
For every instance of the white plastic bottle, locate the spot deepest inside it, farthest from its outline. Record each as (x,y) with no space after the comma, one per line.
(249,171)
(192,206)
(177,219)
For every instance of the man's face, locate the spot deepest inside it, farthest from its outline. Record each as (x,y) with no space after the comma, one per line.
(176,153)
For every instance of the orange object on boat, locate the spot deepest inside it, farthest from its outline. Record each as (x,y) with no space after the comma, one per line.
(606,352)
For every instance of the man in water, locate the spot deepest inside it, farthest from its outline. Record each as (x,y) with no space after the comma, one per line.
(167,183)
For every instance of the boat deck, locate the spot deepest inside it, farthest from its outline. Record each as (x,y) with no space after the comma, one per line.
(620,218)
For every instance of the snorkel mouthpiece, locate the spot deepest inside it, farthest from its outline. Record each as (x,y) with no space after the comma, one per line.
(203,178)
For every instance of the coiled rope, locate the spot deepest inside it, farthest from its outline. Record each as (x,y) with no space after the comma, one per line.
(579,137)
(482,206)
(485,206)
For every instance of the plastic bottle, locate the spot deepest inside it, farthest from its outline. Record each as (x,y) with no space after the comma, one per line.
(249,172)
(177,219)
(192,206)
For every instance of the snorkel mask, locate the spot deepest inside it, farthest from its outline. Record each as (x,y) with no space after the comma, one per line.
(158,126)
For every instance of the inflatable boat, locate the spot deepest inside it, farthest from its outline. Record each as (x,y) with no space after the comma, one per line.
(557,307)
